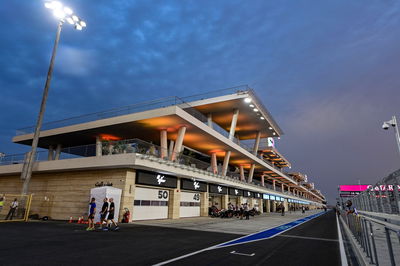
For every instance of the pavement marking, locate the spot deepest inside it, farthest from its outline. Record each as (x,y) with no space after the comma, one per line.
(269,233)
(343,256)
(262,235)
(310,238)
(243,254)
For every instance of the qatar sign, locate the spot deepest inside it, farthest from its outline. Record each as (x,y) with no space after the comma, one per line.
(351,188)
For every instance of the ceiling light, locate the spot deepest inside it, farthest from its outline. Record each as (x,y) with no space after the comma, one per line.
(247,100)
(255,110)
(262,118)
(273,133)
(251,105)
(270,128)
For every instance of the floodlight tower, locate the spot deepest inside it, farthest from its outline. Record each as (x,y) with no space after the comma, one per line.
(62,13)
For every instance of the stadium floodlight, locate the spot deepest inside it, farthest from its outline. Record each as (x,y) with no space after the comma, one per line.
(62,13)
(393,123)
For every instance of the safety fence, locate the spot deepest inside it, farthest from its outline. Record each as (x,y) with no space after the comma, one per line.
(383,197)
(14,207)
(379,241)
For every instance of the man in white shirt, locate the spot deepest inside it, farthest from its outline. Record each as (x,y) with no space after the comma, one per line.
(13,207)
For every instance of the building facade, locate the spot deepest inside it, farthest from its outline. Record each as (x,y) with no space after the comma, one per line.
(171,158)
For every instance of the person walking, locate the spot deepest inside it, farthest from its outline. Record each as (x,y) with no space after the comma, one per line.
(246,211)
(282,210)
(110,218)
(103,213)
(1,203)
(13,208)
(92,212)
(303,209)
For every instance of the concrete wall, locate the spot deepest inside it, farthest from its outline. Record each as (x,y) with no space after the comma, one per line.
(66,194)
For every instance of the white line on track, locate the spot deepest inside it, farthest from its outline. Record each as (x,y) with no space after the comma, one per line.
(343,257)
(217,246)
(310,238)
(243,254)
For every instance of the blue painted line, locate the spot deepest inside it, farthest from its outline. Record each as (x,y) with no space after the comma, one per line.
(269,232)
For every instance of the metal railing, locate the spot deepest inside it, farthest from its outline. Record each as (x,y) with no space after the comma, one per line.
(379,241)
(383,197)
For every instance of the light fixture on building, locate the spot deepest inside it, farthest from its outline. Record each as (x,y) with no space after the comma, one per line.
(247,100)
(262,118)
(270,128)
(255,110)
(251,105)
(273,133)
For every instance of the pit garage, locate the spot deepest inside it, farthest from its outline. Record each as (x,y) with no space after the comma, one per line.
(150,203)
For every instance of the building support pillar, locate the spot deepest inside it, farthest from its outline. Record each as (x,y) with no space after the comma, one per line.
(233,124)
(214,166)
(251,173)
(261,205)
(282,187)
(171,148)
(58,152)
(178,143)
(224,202)
(226,163)
(263,181)
(257,143)
(174,202)
(273,184)
(204,204)
(241,168)
(99,148)
(50,156)
(209,120)
(164,143)
(268,207)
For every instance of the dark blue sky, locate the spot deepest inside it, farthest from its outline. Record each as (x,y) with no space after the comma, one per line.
(327,70)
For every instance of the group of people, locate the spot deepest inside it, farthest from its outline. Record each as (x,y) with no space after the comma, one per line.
(11,211)
(107,213)
(234,211)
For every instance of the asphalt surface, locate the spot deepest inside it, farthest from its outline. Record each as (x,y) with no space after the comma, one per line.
(312,243)
(60,243)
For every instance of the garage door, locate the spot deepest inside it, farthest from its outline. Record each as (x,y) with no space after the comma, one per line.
(190,204)
(150,204)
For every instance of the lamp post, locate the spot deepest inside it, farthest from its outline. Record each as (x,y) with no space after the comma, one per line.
(62,13)
(386,125)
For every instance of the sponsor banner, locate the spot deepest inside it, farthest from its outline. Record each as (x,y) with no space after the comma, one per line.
(354,188)
(194,185)
(218,189)
(235,191)
(156,179)
(257,195)
(248,194)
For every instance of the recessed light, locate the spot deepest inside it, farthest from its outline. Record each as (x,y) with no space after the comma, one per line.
(255,110)
(247,100)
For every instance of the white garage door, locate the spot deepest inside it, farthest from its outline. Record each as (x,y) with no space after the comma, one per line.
(150,204)
(190,204)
